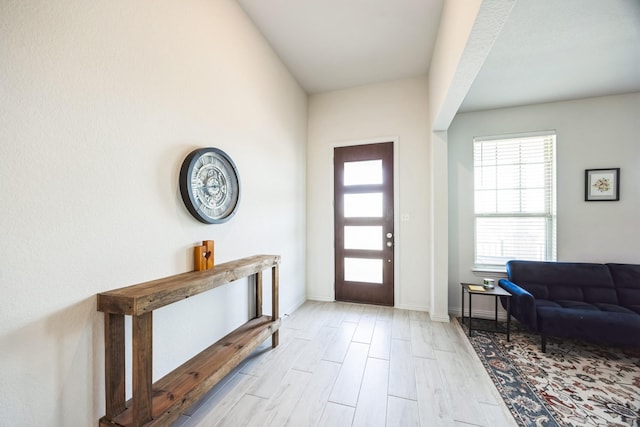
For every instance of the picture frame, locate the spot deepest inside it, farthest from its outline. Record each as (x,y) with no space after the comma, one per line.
(602,185)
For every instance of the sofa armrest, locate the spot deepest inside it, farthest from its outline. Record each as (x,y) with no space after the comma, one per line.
(523,306)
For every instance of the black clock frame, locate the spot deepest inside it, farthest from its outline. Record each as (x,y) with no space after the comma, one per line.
(186,191)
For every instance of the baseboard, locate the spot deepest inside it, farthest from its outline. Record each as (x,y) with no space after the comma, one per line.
(398,306)
(319,298)
(439,317)
(454,312)
(295,306)
(411,307)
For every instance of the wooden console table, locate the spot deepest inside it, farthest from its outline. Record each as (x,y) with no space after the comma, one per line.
(160,403)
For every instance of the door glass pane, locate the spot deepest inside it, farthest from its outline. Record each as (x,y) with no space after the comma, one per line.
(363,270)
(363,172)
(363,237)
(368,205)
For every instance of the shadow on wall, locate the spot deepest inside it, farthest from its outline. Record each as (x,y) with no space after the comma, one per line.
(60,355)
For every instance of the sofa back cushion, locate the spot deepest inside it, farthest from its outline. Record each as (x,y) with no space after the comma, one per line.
(627,281)
(564,281)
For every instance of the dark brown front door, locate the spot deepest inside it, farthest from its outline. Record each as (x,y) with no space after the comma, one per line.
(364,235)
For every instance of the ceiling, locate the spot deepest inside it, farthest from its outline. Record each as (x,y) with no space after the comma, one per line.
(552,50)
(548,50)
(336,44)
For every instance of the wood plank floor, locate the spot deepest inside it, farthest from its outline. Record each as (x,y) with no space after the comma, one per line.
(344,364)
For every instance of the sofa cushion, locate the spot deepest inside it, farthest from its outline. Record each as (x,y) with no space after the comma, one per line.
(581,305)
(627,281)
(613,328)
(634,308)
(564,281)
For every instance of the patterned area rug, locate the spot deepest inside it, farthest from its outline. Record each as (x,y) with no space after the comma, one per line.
(573,384)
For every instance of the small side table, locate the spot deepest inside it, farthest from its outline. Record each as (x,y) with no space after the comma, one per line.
(496,293)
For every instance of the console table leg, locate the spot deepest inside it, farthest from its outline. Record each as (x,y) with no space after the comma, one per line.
(275,278)
(259,294)
(142,368)
(114,364)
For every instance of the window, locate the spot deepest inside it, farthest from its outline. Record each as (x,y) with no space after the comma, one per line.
(514,199)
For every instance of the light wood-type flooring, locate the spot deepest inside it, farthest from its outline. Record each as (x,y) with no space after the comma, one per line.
(344,364)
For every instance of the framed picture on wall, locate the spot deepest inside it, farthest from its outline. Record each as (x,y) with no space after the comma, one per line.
(602,185)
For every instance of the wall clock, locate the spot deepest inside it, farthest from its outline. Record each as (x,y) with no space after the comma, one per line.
(209,185)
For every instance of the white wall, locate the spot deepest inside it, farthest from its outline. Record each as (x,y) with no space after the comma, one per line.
(99,103)
(591,133)
(374,113)
(456,24)
(467,30)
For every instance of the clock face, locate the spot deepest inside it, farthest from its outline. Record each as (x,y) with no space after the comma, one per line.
(209,185)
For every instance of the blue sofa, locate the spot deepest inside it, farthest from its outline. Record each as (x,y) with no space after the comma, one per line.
(586,301)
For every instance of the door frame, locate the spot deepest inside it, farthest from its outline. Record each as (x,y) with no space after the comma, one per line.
(396,206)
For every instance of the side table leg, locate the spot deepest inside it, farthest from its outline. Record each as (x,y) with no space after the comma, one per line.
(508,318)
(470,314)
(462,290)
(496,311)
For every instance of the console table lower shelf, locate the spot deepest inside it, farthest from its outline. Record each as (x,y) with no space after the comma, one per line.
(185,385)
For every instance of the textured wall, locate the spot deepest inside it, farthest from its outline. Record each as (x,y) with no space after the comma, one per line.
(99,104)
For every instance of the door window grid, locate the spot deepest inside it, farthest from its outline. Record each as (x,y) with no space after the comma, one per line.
(363,227)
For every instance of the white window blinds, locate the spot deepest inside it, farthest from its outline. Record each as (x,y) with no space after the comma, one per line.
(514,198)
